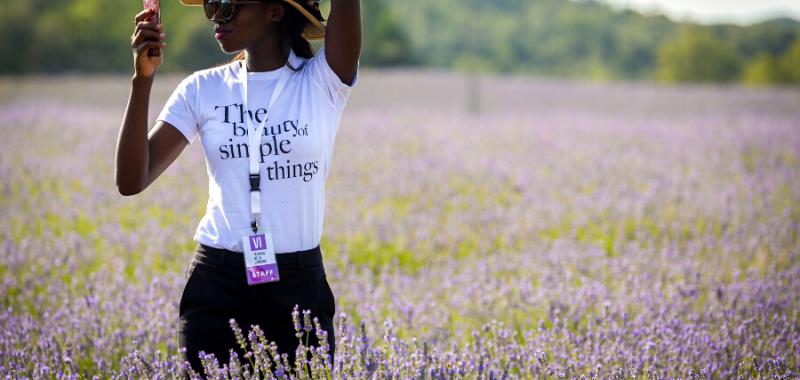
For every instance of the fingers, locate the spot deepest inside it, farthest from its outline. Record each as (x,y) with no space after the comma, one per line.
(143,15)
(143,24)
(146,34)
(146,25)
(147,45)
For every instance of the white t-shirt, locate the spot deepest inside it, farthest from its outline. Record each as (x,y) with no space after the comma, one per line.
(296,148)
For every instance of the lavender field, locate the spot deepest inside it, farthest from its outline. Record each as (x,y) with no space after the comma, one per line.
(552,230)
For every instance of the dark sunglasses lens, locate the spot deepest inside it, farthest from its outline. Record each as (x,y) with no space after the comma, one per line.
(211,7)
(225,9)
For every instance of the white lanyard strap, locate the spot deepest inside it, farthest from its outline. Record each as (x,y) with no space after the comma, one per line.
(254,140)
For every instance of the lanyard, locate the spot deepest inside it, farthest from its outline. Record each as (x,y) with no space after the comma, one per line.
(254,139)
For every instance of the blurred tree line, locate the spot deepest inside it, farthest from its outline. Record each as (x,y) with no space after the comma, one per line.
(580,38)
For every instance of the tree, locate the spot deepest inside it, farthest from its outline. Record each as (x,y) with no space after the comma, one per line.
(790,62)
(696,55)
(582,38)
(16,30)
(192,46)
(385,41)
(769,70)
(763,70)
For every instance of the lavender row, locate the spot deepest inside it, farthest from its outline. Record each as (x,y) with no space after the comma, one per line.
(610,231)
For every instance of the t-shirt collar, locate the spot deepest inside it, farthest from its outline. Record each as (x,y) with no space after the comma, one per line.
(293,61)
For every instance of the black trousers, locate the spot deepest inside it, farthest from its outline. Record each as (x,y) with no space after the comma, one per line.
(216,290)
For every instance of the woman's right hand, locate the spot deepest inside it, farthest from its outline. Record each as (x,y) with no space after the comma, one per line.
(146,36)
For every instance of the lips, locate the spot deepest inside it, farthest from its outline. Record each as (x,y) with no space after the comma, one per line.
(220,32)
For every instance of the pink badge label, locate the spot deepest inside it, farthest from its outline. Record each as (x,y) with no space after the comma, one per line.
(262,273)
(259,259)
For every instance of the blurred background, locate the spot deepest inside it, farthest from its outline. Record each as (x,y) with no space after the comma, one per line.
(513,189)
(750,42)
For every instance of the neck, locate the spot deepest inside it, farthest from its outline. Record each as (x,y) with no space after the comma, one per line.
(267,56)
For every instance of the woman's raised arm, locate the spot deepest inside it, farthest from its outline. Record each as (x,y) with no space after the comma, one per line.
(343,38)
(140,158)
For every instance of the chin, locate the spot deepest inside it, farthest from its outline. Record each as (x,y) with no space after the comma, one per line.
(229,49)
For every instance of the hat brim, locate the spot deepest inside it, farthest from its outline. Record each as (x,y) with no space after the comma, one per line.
(315,29)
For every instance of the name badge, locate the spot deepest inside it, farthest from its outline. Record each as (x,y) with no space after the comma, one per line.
(259,259)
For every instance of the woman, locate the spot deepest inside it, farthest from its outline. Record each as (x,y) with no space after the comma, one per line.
(267,122)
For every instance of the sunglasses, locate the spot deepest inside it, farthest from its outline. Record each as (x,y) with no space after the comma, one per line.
(225,8)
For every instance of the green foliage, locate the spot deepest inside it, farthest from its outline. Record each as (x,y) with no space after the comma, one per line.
(790,63)
(192,47)
(764,69)
(584,39)
(570,38)
(386,43)
(767,69)
(16,30)
(772,37)
(696,55)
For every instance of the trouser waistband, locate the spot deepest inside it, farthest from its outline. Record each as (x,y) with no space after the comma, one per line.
(232,259)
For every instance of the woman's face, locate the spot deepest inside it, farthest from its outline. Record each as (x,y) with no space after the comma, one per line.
(252,23)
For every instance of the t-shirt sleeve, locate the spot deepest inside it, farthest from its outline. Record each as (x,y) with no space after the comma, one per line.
(333,87)
(181,109)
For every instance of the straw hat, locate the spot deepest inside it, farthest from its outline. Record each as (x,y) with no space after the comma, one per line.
(314,29)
